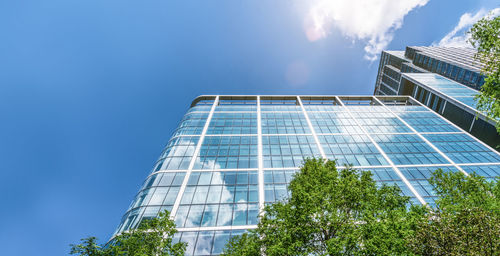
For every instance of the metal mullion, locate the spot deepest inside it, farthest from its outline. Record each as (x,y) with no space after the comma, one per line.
(209,170)
(357,133)
(288,134)
(290,111)
(237,112)
(260,159)
(318,144)
(422,137)
(205,170)
(323,111)
(472,124)
(193,159)
(429,99)
(399,82)
(227,170)
(252,135)
(391,77)
(470,164)
(441,133)
(217,228)
(386,166)
(394,167)
(231,135)
(388,87)
(188,113)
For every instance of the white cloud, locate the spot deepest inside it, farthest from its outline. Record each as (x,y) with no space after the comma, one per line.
(457,37)
(371,21)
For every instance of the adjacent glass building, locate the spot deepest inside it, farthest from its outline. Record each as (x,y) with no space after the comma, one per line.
(445,79)
(231,155)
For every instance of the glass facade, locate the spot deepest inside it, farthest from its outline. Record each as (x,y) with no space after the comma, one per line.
(231,155)
(446,79)
(441,85)
(457,64)
(454,63)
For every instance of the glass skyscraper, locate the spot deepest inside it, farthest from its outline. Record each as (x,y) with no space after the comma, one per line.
(231,155)
(445,79)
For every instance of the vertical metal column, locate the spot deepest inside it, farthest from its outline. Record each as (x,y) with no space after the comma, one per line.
(193,159)
(320,148)
(260,158)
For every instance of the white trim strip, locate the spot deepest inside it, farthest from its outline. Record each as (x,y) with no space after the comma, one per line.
(230,135)
(385,74)
(238,112)
(310,134)
(320,148)
(472,123)
(260,159)
(193,160)
(388,86)
(445,101)
(216,228)
(478,164)
(399,82)
(296,168)
(429,99)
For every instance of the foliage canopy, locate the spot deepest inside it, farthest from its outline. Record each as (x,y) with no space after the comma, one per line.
(485,36)
(342,212)
(331,212)
(153,237)
(466,219)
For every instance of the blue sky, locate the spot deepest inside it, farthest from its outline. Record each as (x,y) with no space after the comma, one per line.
(90,91)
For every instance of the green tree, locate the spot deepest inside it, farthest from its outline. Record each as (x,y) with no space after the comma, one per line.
(153,237)
(465,220)
(485,36)
(88,247)
(332,212)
